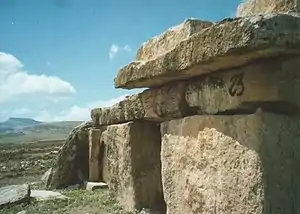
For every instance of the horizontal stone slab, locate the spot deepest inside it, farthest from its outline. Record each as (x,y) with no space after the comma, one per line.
(227,44)
(271,84)
(159,104)
(231,164)
(133,164)
(255,7)
(166,41)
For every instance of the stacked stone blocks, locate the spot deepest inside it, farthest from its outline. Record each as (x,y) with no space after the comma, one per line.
(217,130)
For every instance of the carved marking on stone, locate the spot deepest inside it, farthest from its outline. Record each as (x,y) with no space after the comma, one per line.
(237,86)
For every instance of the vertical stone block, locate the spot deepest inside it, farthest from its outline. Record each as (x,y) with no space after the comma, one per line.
(133,164)
(94,151)
(231,164)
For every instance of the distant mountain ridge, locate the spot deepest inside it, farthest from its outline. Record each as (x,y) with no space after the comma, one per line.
(16,130)
(15,124)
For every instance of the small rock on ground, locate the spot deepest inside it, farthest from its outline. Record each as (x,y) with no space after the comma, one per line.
(149,211)
(95,185)
(43,195)
(14,194)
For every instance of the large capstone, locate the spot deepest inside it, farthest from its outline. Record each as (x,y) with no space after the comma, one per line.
(166,41)
(256,7)
(227,44)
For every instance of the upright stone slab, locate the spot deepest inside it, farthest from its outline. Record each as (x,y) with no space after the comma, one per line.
(232,164)
(71,164)
(227,44)
(105,172)
(94,151)
(133,162)
(255,7)
(166,41)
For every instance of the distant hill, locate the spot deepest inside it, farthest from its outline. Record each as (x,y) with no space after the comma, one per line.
(15,124)
(22,130)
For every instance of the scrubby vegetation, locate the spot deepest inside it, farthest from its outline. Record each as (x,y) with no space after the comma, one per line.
(25,163)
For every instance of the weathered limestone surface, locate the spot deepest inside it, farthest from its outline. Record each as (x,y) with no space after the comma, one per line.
(227,44)
(231,164)
(46,177)
(44,195)
(71,164)
(14,194)
(211,172)
(133,161)
(94,152)
(105,172)
(95,185)
(255,7)
(272,84)
(152,104)
(166,41)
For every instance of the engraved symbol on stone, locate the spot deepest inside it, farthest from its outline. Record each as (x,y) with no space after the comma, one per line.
(236,87)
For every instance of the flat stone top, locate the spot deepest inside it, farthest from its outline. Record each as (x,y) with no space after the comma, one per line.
(226,44)
(166,41)
(255,7)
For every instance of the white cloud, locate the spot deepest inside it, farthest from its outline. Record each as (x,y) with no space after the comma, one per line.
(113,51)
(127,48)
(77,113)
(14,80)
(115,48)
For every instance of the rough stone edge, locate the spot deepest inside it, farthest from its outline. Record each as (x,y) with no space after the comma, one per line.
(186,60)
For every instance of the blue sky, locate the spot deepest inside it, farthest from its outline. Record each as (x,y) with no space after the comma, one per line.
(58,58)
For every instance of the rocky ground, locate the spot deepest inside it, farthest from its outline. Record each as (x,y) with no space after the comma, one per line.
(26,163)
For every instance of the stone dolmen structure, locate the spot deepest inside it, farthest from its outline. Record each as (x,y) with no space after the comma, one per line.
(218,128)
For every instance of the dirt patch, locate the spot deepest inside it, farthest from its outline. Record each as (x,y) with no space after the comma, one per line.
(26,163)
